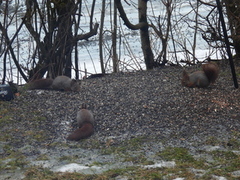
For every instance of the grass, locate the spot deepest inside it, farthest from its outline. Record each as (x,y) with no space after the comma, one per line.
(133,172)
(134,144)
(223,163)
(14,161)
(5,116)
(178,154)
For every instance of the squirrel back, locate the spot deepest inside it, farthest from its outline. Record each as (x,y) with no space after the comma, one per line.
(85,121)
(201,79)
(84,115)
(59,83)
(65,83)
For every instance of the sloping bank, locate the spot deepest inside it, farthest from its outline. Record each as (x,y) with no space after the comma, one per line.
(142,119)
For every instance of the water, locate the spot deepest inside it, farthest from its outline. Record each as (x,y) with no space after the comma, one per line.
(128,42)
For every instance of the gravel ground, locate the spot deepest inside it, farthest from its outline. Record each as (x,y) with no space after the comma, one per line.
(126,105)
(151,103)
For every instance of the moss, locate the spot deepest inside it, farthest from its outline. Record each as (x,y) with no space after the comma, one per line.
(133,144)
(5,136)
(3,111)
(15,164)
(38,173)
(89,144)
(68,158)
(57,144)
(44,173)
(14,160)
(112,150)
(97,164)
(42,157)
(228,160)
(8,149)
(5,117)
(39,135)
(4,120)
(133,172)
(139,159)
(178,154)
(234,141)
(213,141)
(117,172)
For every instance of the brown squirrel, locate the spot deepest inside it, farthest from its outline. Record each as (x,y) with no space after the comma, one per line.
(85,122)
(59,83)
(201,79)
(65,83)
(40,84)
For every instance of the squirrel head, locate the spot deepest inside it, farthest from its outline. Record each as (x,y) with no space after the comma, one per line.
(185,78)
(75,85)
(211,70)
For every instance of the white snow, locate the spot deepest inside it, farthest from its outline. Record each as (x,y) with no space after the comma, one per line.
(74,167)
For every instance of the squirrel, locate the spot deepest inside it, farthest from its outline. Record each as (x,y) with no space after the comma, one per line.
(40,84)
(201,79)
(85,121)
(65,83)
(59,83)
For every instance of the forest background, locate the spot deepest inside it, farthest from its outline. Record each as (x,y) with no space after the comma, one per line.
(78,38)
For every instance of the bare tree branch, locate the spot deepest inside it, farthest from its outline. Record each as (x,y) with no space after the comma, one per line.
(123,15)
(87,35)
(9,43)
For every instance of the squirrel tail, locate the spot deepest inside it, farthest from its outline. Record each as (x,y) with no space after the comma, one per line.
(85,131)
(211,70)
(40,84)
(186,80)
(204,78)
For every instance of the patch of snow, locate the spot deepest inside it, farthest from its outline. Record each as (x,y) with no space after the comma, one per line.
(198,172)
(168,164)
(74,167)
(236,173)
(212,148)
(219,177)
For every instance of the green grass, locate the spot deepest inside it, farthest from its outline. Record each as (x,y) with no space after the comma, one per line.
(223,163)
(14,161)
(178,154)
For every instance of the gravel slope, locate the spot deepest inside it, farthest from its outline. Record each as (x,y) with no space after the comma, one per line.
(149,103)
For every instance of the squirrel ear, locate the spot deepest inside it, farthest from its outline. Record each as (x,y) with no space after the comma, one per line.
(185,78)
(185,75)
(76,81)
(73,81)
(84,106)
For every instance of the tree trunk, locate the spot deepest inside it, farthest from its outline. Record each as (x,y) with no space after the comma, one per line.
(56,25)
(233,13)
(101,37)
(144,34)
(114,40)
(143,26)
